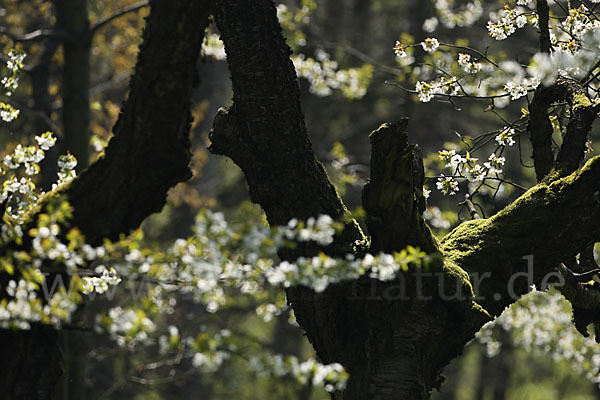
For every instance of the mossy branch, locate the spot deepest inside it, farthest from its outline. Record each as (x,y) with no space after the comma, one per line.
(551,222)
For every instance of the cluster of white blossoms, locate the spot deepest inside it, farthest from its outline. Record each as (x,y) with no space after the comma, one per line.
(447,185)
(567,32)
(321,271)
(14,63)
(293,20)
(494,164)
(430,24)
(502,27)
(208,351)
(465,61)
(575,37)
(100,284)
(127,326)
(427,90)
(430,45)
(33,296)
(66,170)
(541,322)
(211,351)
(212,270)
(7,112)
(467,167)
(466,16)
(323,75)
(213,47)
(22,191)
(332,376)
(15,60)
(23,306)
(506,136)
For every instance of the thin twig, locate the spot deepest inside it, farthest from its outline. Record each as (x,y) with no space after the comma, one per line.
(470,206)
(39,34)
(119,13)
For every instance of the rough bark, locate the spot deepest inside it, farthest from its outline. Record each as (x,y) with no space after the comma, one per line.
(148,154)
(266,100)
(582,114)
(393,346)
(150,150)
(393,197)
(379,341)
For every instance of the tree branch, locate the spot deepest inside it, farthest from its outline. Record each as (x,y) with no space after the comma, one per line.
(544,16)
(264,132)
(39,34)
(552,221)
(583,114)
(150,150)
(540,131)
(119,13)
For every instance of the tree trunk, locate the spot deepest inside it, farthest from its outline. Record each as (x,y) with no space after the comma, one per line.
(148,155)
(72,18)
(394,338)
(42,104)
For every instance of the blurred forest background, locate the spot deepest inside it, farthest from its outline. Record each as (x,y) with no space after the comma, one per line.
(75,89)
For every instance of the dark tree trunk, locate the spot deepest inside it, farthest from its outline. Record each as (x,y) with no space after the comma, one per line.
(148,155)
(393,347)
(42,105)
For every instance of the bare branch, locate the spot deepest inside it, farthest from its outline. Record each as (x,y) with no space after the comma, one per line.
(119,13)
(106,85)
(36,35)
(471,207)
